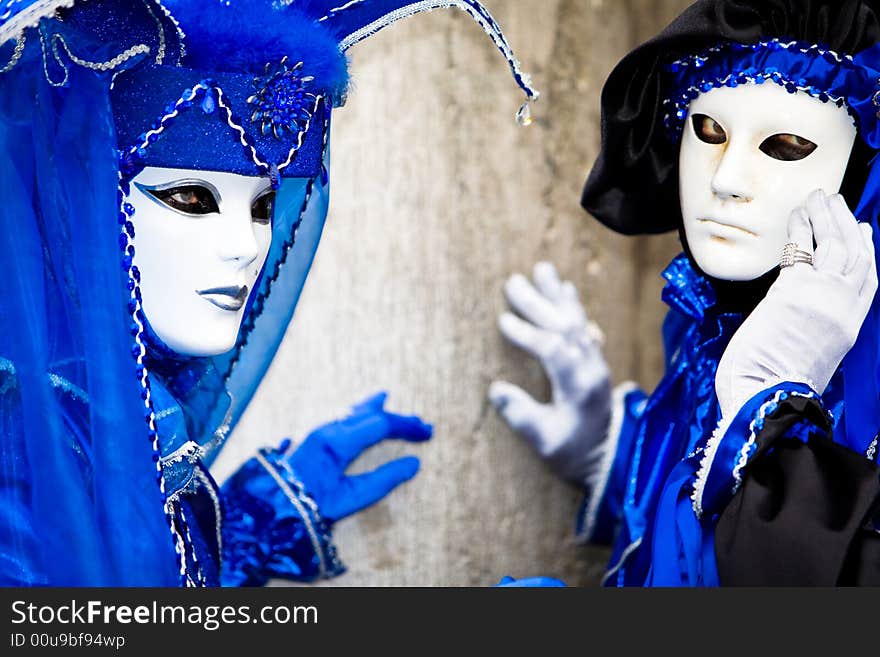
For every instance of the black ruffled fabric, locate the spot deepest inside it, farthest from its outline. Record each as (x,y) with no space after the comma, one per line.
(633,187)
(806,512)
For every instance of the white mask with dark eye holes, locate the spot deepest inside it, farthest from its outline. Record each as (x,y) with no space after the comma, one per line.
(749,156)
(201,240)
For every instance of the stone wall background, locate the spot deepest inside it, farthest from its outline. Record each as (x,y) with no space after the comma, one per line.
(438,197)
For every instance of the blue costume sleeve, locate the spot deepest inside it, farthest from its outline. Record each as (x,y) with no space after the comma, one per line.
(272,527)
(701,485)
(602,506)
(782,486)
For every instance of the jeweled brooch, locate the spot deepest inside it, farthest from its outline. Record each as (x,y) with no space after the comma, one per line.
(282,102)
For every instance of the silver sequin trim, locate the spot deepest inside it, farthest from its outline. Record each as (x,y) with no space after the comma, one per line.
(313,537)
(189,451)
(16,54)
(7,383)
(790,45)
(74,391)
(179,543)
(109,65)
(160,55)
(715,442)
(28,17)
(489,28)
(181,36)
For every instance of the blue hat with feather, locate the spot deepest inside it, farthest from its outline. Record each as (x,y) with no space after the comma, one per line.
(188,76)
(92,91)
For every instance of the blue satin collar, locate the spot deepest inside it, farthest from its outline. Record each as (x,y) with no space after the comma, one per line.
(687,291)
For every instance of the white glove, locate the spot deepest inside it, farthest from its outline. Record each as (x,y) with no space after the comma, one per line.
(566,431)
(812,314)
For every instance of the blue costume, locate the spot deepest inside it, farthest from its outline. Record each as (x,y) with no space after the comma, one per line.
(106,434)
(788,491)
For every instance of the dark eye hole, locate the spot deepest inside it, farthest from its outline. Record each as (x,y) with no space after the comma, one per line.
(708,130)
(788,148)
(191,199)
(263,208)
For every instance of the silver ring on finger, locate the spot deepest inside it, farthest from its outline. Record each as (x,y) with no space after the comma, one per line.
(792,255)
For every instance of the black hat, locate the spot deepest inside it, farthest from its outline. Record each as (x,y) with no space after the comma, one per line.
(633,186)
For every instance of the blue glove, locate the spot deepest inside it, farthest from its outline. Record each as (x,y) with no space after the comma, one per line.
(320,462)
(531,582)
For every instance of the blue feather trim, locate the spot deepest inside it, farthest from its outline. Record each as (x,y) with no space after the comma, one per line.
(242,37)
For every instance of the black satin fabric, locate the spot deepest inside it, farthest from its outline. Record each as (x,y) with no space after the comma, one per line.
(806,513)
(633,186)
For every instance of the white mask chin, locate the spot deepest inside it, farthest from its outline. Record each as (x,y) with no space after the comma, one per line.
(201,240)
(747,160)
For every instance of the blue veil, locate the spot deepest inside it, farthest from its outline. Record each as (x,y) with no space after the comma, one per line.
(73,437)
(88,91)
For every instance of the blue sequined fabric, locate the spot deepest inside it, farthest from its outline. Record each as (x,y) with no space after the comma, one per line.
(272,527)
(847,81)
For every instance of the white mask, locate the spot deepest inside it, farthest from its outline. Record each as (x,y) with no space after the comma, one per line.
(201,240)
(749,156)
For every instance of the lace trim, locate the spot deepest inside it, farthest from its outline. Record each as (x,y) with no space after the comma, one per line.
(714,443)
(28,17)
(190,451)
(756,426)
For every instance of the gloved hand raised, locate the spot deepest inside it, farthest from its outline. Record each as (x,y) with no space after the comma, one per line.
(812,314)
(555,329)
(321,460)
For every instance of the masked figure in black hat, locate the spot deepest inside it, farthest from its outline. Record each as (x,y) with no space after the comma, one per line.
(751,127)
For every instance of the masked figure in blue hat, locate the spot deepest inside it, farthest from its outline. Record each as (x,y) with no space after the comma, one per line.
(752,128)
(165,184)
